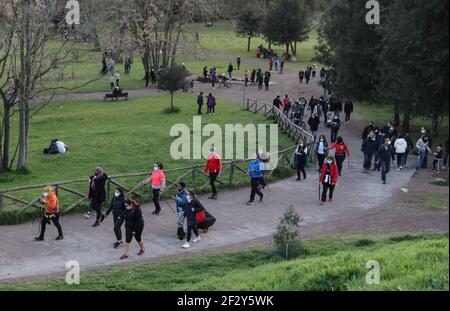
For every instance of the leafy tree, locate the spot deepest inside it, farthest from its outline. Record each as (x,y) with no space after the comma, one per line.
(287,232)
(173,79)
(250,22)
(287,23)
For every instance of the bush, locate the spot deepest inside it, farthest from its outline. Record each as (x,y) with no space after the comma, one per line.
(287,240)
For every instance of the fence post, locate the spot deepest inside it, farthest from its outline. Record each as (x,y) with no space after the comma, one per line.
(108,188)
(231,172)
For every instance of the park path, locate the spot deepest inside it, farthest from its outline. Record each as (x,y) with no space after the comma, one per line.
(362,205)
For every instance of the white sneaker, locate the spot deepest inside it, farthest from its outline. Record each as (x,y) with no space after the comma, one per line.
(398,170)
(197,239)
(87,215)
(186,245)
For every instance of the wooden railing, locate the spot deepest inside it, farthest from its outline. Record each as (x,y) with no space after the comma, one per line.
(233,173)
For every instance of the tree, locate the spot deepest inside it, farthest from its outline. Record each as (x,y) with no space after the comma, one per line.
(173,79)
(286,237)
(286,24)
(250,22)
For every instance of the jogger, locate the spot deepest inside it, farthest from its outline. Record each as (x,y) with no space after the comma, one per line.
(51,213)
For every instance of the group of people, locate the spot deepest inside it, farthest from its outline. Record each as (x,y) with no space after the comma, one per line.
(309,74)
(210,103)
(257,78)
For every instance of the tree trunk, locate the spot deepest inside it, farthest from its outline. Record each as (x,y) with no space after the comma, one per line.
(270,44)
(287,48)
(396,115)
(171,101)
(406,122)
(435,124)
(249,43)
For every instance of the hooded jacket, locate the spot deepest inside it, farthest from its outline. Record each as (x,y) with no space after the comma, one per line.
(117,206)
(256,169)
(400,145)
(334,173)
(51,203)
(213,164)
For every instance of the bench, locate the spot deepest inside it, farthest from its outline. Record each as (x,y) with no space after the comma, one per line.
(116,96)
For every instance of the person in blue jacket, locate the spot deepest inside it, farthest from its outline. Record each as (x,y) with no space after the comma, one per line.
(383,157)
(256,172)
(181,201)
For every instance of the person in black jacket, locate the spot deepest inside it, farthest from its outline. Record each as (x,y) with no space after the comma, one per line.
(267,77)
(300,156)
(98,194)
(191,209)
(118,208)
(314,122)
(348,109)
(369,148)
(384,156)
(367,130)
(277,102)
(335,126)
(134,225)
(200,103)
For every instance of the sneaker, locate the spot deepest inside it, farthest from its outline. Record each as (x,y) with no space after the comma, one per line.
(197,239)
(322,203)
(330,200)
(123,257)
(186,245)
(250,202)
(384,182)
(102,217)
(141,252)
(398,170)
(38,238)
(59,237)
(299,179)
(261,198)
(96,224)
(87,215)
(117,244)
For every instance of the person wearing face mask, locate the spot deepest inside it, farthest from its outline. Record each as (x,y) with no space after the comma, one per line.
(321,151)
(341,152)
(181,202)
(300,156)
(328,179)
(51,213)
(400,147)
(384,156)
(369,148)
(314,122)
(422,149)
(158,184)
(256,172)
(213,167)
(335,126)
(98,194)
(367,130)
(117,206)
(134,225)
(391,131)
(192,207)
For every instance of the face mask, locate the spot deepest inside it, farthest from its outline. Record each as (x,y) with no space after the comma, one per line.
(330,162)
(321,140)
(189,199)
(424,132)
(45,194)
(155,168)
(117,194)
(128,207)
(388,143)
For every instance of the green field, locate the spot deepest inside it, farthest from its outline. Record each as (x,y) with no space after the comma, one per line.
(407,263)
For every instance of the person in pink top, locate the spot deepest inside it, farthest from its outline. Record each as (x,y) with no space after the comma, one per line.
(158,184)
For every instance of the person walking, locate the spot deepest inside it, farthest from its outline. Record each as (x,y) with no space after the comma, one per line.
(211,103)
(314,122)
(277,102)
(157,182)
(230,71)
(99,194)
(335,126)
(383,158)
(301,156)
(118,208)
(238,62)
(117,78)
(200,103)
(348,109)
(246,77)
(213,167)
(214,79)
(50,213)
(369,148)
(134,226)
(301,76)
(181,202)
(271,61)
(153,76)
(256,172)
(422,148)
(401,147)
(438,157)
(112,81)
(260,79)
(328,178)
(341,152)
(321,151)
(267,76)
(253,77)
(282,65)
(307,76)
(192,208)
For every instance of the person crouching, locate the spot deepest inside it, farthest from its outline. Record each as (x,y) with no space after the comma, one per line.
(51,213)
(134,225)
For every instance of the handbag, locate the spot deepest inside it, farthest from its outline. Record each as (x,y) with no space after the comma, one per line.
(200,217)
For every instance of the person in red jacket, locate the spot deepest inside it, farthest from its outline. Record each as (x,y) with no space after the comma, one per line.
(328,178)
(341,153)
(214,169)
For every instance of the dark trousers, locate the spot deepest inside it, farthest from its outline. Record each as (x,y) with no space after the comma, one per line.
(300,165)
(255,182)
(211,109)
(135,231)
(435,164)
(112,86)
(321,159)
(189,232)
(334,135)
(326,187)
(97,207)
(368,161)
(340,158)
(199,109)
(401,159)
(385,169)
(117,82)
(118,222)
(155,199)
(55,221)
(347,116)
(212,182)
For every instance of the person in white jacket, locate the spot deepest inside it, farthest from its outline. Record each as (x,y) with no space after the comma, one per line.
(400,147)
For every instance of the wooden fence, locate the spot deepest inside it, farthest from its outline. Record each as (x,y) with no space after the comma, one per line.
(234,173)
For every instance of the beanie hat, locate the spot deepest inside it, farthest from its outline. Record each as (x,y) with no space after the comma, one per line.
(98,170)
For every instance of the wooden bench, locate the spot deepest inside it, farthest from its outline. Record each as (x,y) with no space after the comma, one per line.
(116,96)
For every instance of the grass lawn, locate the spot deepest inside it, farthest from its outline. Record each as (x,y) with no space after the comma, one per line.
(409,262)
(122,137)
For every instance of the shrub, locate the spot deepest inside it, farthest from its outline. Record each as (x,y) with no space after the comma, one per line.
(287,240)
